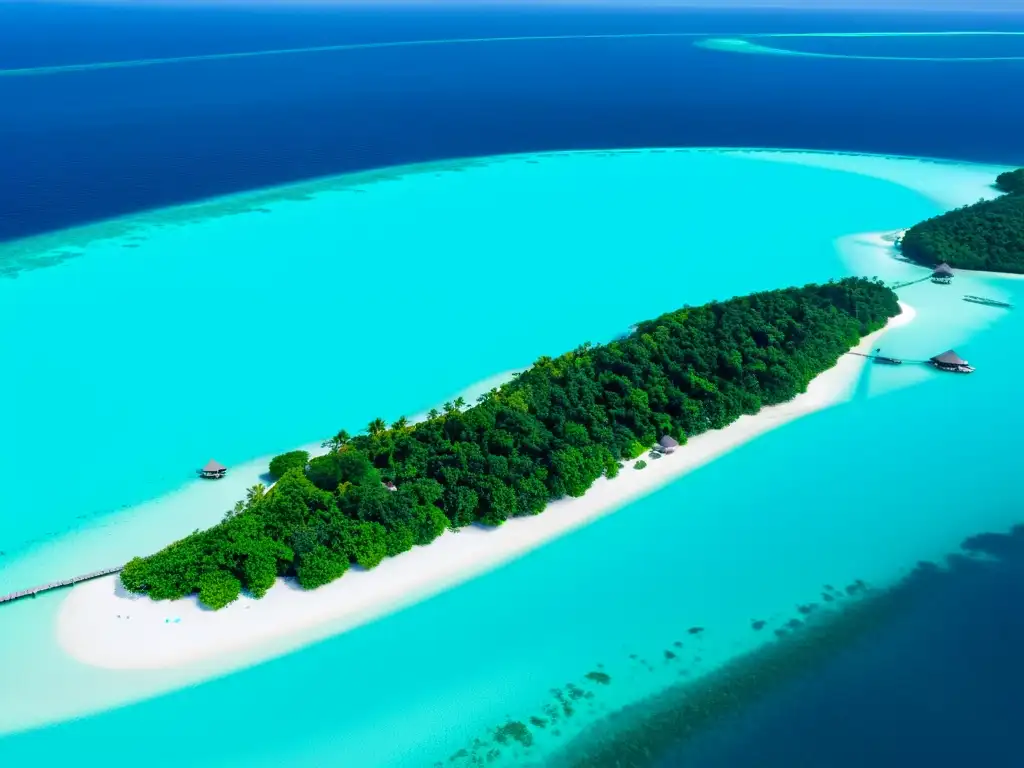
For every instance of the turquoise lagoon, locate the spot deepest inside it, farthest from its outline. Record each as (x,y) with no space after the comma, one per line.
(252,324)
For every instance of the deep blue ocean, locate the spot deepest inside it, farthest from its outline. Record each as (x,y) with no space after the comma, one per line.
(944,685)
(83,147)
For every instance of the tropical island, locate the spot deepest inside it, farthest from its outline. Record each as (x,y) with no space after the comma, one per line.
(548,434)
(1011,181)
(988,235)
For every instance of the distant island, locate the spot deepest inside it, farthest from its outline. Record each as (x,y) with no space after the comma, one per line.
(1011,181)
(549,433)
(988,235)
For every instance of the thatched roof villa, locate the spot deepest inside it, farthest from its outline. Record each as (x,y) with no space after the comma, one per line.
(951,361)
(213,470)
(667,444)
(942,273)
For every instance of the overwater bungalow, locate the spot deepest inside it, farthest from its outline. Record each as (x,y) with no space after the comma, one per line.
(942,274)
(667,444)
(213,470)
(951,361)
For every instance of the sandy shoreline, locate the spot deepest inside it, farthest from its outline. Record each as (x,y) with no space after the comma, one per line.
(100,625)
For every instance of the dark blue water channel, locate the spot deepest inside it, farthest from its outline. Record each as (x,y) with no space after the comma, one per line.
(943,685)
(82,146)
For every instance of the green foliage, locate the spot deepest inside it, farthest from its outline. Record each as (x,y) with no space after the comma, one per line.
(549,433)
(370,544)
(260,572)
(611,465)
(320,566)
(498,501)
(1011,181)
(460,505)
(640,464)
(134,575)
(305,540)
(399,539)
(429,522)
(218,588)
(988,235)
(291,460)
(347,466)
(634,449)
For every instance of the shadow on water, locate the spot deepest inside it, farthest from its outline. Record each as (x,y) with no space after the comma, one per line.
(926,672)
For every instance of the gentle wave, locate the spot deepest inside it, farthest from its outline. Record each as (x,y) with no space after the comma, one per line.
(133,63)
(739,44)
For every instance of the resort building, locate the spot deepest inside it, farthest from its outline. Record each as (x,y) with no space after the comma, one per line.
(951,361)
(942,274)
(667,444)
(213,470)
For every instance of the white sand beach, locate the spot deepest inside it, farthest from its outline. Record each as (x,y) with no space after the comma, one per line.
(100,625)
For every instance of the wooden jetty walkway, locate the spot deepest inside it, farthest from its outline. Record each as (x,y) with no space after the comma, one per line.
(882,359)
(905,283)
(32,592)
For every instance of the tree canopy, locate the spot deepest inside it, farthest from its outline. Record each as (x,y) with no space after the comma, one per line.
(1011,181)
(549,433)
(291,460)
(988,235)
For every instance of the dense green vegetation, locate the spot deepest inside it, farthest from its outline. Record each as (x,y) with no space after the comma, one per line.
(549,433)
(291,460)
(988,235)
(1011,181)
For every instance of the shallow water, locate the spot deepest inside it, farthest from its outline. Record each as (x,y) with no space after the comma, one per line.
(659,229)
(948,47)
(212,330)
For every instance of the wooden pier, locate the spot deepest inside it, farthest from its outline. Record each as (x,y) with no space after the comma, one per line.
(33,591)
(947,361)
(905,283)
(880,358)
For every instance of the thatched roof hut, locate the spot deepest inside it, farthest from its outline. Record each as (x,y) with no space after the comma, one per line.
(949,357)
(213,469)
(667,444)
(943,270)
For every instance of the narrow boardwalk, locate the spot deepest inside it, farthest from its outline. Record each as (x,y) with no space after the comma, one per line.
(32,592)
(896,286)
(884,359)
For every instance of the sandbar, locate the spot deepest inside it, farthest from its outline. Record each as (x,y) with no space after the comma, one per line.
(101,625)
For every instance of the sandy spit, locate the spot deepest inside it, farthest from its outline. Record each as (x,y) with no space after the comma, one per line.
(101,625)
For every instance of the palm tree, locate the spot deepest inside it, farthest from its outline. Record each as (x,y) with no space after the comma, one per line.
(235,511)
(488,396)
(254,495)
(376,427)
(400,424)
(460,403)
(337,442)
(433,413)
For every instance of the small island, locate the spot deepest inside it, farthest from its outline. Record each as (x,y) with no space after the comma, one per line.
(988,235)
(550,433)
